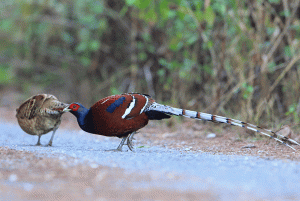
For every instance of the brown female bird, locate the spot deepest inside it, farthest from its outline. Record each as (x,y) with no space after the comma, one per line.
(41,114)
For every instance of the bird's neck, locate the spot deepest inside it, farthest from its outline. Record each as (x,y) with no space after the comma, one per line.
(84,119)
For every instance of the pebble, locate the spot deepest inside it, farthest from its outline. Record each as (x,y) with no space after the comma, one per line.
(249,146)
(13,178)
(94,165)
(28,187)
(89,191)
(211,135)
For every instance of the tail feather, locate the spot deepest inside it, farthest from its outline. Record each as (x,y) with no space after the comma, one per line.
(219,119)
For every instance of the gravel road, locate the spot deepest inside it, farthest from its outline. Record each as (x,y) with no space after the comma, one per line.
(228,177)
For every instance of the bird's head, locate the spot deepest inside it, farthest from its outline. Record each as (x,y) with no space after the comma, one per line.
(74,108)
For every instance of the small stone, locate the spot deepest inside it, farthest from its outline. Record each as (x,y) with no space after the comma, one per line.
(13,178)
(94,165)
(101,175)
(89,191)
(49,176)
(28,187)
(249,146)
(211,135)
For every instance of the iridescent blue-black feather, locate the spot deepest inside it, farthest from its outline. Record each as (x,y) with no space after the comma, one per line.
(115,104)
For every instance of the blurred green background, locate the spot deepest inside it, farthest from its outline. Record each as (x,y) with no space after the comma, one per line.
(237,58)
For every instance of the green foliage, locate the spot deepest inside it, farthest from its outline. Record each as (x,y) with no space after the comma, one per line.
(274,1)
(195,50)
(271,66)
(288,51)
(247,90)
(6,75)
(293,111)
(209,16)
(114,91)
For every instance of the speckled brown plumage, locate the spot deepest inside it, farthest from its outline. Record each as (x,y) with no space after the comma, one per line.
(40,114)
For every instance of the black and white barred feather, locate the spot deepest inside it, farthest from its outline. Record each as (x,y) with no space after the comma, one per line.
(219,119)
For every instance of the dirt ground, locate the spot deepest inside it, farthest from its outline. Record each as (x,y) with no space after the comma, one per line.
(63,178)
(228,140)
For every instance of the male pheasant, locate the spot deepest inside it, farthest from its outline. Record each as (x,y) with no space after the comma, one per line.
(122,115)
(41,114)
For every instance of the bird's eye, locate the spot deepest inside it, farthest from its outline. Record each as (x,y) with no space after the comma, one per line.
(74,106)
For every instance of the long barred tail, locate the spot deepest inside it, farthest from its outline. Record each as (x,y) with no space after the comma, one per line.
(219,119)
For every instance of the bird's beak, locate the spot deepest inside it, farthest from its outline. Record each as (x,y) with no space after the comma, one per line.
(67,109)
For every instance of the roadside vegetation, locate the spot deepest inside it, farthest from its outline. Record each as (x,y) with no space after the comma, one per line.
(233,58)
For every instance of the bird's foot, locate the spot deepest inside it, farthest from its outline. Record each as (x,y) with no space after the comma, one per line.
(130,145)
(49,144)
(115,150)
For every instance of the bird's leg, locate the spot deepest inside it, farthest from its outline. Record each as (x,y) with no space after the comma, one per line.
(129,141)
(120,145)
(38,142)
(51,139)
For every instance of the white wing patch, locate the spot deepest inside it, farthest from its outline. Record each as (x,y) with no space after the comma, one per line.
(147,100)
(108,99)
(105,101)
(128,110)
